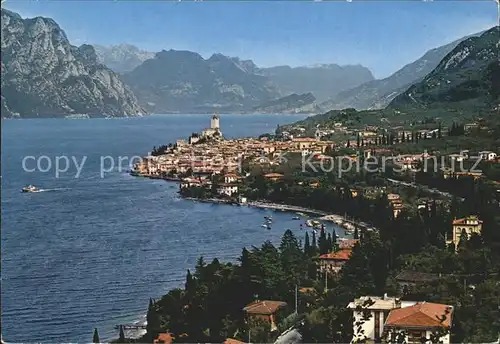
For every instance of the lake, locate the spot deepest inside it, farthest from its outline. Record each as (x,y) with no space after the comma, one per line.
(90,251)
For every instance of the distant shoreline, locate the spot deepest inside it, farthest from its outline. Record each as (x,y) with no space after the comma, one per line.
(159,114)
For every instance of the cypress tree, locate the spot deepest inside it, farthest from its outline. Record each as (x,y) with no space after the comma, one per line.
(323,242)
(152,327)
(329,241)
(307,245)
(358,141)
(95,339)
(291,256)
(190,284)
(121,338)
(334,239)
(462,243)
(356,233)
(348,143)
(314,244)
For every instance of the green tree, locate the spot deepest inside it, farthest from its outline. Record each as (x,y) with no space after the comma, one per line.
(291,257)
(307,245)
(153,323)
(190,284)
(95,339)
(121,338)
(323,244)
(462,243)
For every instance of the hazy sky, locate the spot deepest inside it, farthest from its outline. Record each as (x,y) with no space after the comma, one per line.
(381,35)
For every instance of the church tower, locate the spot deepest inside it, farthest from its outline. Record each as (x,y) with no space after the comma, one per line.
(214,122)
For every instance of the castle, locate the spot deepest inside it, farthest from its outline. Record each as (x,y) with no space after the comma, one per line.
(214,130)
(214,127)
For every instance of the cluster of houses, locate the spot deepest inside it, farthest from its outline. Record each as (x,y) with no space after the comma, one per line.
(376,317)
(333,262)
(209,153)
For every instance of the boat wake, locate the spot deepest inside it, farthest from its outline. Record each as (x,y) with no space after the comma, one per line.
(48,190)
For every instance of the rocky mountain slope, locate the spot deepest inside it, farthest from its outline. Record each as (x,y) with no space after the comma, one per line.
(324,81)
(249,86)
(44,75)
(183,81)
(294,103)
(123,57)
(469,76)
(377,94)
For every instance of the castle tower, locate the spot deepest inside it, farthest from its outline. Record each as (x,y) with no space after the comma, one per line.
(214,122)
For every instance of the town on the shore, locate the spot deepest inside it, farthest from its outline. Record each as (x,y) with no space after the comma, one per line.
(211,167)
(421,267)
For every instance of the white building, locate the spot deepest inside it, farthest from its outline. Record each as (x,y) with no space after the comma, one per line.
(214,127)
(230,178)
(377,310)
(386,317)
(215,122)
(193,139)
(431,321)
(227,189)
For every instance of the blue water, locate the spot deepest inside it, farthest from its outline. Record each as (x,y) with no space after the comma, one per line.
(90,251)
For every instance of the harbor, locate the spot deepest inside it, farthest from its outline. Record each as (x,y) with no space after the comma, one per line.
(349,225)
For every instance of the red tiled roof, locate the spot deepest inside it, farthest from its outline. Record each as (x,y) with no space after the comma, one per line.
(424,314)
(343,254)
(264,307)
(233,341)
(273,175)
(304,139)
(463,221)
(166,338)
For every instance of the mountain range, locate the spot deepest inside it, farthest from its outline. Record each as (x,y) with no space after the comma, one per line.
(122,58)
(184,81)
(323,81)
(464,84)
(377,94)
(43,75)
(333,86)
(222,83)
(467,77)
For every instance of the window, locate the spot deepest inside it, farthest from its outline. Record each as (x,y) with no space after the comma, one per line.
(415,337)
